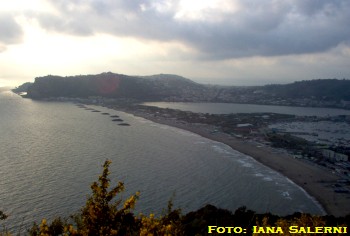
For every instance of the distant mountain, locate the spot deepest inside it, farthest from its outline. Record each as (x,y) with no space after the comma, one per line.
(157,87)
(312,93)
(321,89)
(169,78)
(165,87)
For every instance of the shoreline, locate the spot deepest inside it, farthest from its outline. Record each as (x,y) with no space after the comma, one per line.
(315,181)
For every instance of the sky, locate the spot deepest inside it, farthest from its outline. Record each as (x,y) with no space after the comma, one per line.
(229,42)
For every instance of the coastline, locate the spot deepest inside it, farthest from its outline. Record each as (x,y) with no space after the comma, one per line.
(315,181)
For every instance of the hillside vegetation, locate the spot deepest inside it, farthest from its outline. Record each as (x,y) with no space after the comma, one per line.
(325,89)
(112,86)
(173,88)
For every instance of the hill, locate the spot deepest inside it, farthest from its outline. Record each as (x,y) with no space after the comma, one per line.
(321,89)
(165,87)
(111,85)
(22,88)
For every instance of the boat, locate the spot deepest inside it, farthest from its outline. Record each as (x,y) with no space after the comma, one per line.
(124,124)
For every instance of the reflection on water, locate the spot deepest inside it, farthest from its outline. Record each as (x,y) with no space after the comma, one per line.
(51,152)
(226,108)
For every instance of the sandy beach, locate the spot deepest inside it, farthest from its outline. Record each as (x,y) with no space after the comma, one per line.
(313,179)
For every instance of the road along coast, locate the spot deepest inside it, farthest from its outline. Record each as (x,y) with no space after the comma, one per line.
(314,180)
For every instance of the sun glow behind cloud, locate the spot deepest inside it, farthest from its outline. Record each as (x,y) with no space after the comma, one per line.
(205,10)
(43,52)
(194,10)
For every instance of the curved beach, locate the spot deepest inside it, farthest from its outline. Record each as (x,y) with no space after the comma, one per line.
(314,180)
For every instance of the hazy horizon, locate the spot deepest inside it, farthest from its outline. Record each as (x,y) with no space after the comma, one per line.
(219,82)
(209,41)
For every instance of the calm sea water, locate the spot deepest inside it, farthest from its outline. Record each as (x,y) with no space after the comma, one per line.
(226,108)
(51,152)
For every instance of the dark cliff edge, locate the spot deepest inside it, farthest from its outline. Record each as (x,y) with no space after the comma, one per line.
(22,89)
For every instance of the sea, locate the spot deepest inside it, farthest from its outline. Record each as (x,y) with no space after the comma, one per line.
(227,108)
(51,152)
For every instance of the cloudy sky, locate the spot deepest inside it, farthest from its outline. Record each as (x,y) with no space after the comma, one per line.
(233,42)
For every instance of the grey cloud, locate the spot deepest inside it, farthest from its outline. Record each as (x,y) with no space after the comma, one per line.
(10,31)
(68,25)
(311,7)
(122,18)
(274,32)
(265,27)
